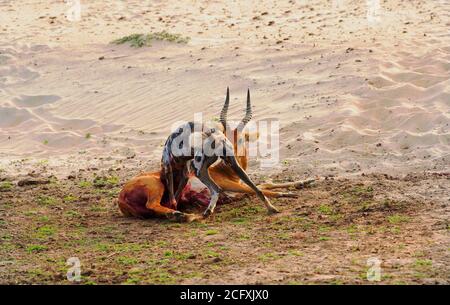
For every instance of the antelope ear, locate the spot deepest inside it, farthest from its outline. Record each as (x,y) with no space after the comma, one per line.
(251,136)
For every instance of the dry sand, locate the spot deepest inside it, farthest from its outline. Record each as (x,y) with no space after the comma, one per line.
(352,97)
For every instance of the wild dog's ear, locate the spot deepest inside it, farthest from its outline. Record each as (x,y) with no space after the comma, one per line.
(224,112)
(248,113)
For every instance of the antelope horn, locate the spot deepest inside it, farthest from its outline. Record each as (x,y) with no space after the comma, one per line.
(248,113)
(224,112)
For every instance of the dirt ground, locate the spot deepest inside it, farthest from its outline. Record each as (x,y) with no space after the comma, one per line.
(359,89)
(329,234)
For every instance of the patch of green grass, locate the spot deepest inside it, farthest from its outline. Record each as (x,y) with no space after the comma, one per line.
(324,238)
(44,219)
(352,229)
(268,257)
(395,230)
(126,260)
(84,184)
(295,253)
(38,273)
(97,208)
(103,247)
(211,232)
(72,214)
(141,40)
(325,209)
(45,142)
(6,186)
(6,237)
(105,181)
(36,248)
(70,198)
(240,220)
(212,253)
(30,213)
(87,136)
(324,229)
(244,237)
(395,219)
(240,215)
(161,277)
(362,191)
(162,243)
(168,253)
(46,200)
(45,231)
(423,263)
(359,194)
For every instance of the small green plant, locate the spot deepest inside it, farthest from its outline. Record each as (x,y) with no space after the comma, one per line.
(141,40)
(168,253)
(84,184)
(125,260)
(423,263)
(211,232)
(72,214)
(324,238)
(325,209)
(105,181)
(88,135)
(268,257)
(70,198)
(45,231)
(45,142)
(46,200)
(395,219)
(36,248)
(5,186)
(44,219)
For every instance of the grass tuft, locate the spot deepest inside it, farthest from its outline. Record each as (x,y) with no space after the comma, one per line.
(141,40)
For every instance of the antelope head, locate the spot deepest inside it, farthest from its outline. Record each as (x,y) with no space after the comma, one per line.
(239,137)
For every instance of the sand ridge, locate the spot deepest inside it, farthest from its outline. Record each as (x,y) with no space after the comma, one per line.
(350,95)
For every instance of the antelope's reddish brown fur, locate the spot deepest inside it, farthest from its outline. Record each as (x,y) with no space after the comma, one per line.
(147,195)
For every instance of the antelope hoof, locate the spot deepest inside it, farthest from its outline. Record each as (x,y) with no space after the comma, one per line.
(272,210)
(173,205)
(289,195)
(180,216)
(207,213)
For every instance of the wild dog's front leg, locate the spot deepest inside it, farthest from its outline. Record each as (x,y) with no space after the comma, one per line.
(244,177)
(168,177)
(201,165)
(183,181)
